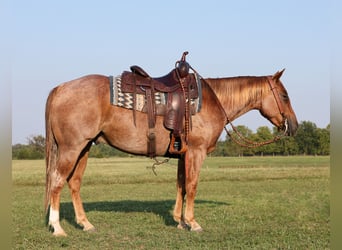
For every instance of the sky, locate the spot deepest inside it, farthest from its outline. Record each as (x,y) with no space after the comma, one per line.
(56,41)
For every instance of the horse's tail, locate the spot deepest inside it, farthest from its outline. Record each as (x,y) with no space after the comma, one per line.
(50,149)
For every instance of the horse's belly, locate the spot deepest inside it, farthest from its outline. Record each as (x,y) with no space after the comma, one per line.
(124,135)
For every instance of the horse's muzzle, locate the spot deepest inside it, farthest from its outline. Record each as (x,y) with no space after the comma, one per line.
(290,126)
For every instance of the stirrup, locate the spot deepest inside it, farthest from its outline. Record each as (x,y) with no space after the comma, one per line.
(177,145)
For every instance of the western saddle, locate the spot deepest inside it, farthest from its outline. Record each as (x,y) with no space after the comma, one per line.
(179,87)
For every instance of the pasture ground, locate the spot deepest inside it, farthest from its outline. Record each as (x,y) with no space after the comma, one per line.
(242,203)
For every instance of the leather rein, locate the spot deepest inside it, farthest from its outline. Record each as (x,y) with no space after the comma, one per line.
(244,141)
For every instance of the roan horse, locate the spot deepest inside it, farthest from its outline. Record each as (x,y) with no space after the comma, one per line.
(79,113)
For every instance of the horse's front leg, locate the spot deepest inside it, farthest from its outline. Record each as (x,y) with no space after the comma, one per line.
(178,209)
(193,161)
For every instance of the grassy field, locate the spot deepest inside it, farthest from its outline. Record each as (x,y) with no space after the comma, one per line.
(242,203)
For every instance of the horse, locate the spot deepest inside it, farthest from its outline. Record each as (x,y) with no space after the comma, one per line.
(78,113)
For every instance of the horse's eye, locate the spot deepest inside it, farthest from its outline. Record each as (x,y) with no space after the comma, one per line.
(285,97)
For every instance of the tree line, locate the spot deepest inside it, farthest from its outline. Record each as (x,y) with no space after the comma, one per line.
(309,140)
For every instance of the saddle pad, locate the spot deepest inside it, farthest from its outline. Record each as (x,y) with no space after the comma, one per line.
(125,100)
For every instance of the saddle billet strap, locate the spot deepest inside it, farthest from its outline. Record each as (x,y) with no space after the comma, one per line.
(151,147)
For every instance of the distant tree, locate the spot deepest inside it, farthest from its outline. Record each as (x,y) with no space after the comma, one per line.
(234,149)
(264,134)
(37,144)
(307,138)
(286,146)
(220,150)
(35,149)
(324,140)
(103,150)
(20,151)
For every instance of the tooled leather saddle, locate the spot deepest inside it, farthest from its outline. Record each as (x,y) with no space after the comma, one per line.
(179,86)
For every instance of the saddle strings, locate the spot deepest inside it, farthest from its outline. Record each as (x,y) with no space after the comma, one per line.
(187,103)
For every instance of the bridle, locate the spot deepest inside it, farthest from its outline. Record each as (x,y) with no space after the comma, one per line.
(276,96)
(245,142)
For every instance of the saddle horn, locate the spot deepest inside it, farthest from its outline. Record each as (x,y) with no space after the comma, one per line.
(184,55)
(182,66)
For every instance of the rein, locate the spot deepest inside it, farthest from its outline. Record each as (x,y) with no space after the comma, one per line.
(244,141)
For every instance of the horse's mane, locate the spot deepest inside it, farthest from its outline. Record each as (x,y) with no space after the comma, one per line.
(235,91)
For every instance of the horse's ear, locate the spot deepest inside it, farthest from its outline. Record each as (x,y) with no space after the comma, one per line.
(277,75)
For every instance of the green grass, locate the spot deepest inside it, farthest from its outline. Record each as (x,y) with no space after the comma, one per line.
(242,203)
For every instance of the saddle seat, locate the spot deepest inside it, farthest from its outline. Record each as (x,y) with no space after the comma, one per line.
(166,84)
(138,81)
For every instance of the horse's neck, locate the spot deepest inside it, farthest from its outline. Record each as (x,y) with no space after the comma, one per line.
(237,95)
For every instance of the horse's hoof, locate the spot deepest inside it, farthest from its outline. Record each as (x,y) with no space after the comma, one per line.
(90,230)
(179,226)
(56,229)
(196,228)
(182,225)
(59,234)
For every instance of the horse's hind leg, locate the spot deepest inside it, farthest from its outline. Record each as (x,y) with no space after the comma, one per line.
(64,166)
(74,183)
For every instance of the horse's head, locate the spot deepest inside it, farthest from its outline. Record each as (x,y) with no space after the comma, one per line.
(276,106)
